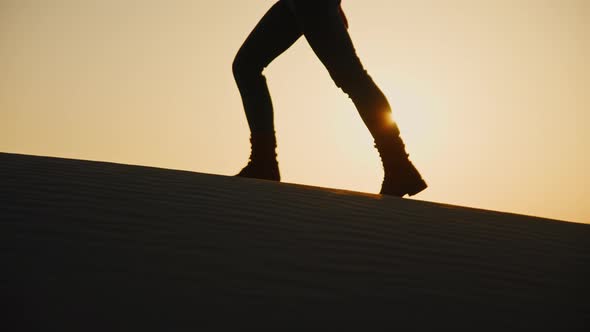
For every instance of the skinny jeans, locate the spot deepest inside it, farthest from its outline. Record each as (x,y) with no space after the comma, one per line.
(324,28)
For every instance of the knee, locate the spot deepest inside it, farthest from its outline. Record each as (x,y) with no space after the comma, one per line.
(243,68)
(237,67)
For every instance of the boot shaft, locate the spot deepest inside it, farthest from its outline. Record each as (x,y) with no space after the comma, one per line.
(263,146)
(392,151)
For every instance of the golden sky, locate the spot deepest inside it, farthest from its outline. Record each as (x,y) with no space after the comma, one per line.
(492,96)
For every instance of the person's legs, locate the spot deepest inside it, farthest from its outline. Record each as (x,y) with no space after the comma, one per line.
(327,35)
(275,33)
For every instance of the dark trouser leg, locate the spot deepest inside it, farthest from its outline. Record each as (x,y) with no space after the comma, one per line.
(275,33)
(326,33)
(328,37)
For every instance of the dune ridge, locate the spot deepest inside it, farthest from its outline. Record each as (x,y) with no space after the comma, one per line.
(94,246)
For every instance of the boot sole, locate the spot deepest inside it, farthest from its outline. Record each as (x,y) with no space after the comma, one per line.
(419,187)
(258,177)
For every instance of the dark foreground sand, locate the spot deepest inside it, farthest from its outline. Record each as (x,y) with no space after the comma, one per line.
(91,246)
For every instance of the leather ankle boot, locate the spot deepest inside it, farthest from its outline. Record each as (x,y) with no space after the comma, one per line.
(263,158)
(401,177)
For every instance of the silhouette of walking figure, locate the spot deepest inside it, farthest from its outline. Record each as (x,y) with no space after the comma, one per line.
(324,26)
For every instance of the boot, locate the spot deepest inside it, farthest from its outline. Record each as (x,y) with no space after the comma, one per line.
(401,177)
(263,158)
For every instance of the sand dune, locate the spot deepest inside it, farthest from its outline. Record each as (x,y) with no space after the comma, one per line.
(100,246)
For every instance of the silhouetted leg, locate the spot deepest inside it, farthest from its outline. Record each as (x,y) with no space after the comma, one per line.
(327,35)
(274,34)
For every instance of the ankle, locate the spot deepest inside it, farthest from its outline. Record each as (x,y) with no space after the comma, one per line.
(263,146)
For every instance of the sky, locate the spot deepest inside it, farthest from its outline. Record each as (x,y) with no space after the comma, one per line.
(492,96)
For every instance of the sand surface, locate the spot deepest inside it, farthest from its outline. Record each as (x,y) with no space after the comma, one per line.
(89,246)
